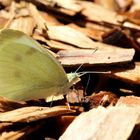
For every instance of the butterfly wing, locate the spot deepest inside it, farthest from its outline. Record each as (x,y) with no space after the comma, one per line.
(9,36)
(26,73)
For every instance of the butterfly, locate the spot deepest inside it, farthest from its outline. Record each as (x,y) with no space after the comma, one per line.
(27,71)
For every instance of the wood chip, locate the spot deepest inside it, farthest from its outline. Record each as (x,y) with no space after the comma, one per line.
(67,4)
(131,25)
(131,101)
(24,24)
(100,57)
(40,21)
(91,12)
(114,123)
(29,114)
(7,105)
(68,7)
(123,4)
(108,4)
(92,33)
(18,134)
(103,98)
(56,45)
(69,35)
(131,75)
(118,37)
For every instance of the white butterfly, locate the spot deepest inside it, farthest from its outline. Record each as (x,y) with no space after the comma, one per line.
(26,71)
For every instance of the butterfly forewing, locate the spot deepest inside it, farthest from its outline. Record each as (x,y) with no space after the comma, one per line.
(27,73)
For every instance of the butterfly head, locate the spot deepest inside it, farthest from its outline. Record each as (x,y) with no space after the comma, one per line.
(73,78)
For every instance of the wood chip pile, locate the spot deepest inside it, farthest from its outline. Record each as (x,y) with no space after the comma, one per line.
(99,37)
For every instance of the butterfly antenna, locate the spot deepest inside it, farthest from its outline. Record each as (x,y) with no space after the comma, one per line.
(83,62)
(92,72)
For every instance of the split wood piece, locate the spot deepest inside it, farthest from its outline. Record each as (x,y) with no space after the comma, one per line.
(29,114)
(134,7)
(119,38)
(71,36)
(136,1)
(108,4)
(131,25)
(7,105)
(24,24)
(66,4)
(91,12)
(20,134)
(56,45)
(50,18)
(67,7)
(52,44)
(96,26)
(5,126)
(19,9)
(39,21)
(123,4)
(92,33)
(102,57)
(134,16)
(132,101)
(131,75)
(5,3)
(3,21)
(62,122)
(113,123)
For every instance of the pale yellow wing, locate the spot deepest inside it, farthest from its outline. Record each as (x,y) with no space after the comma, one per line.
(25,72)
